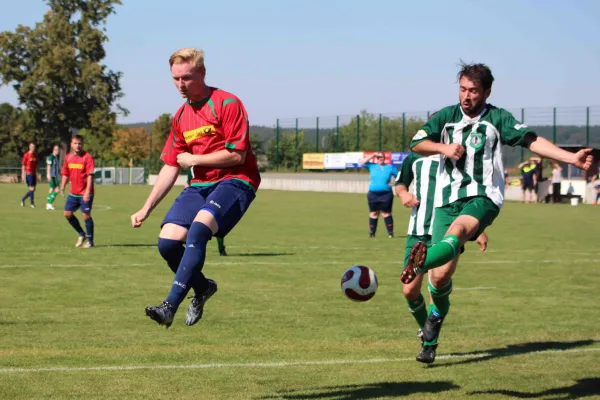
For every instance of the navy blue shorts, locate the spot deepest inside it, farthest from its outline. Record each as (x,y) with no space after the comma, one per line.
(380,201)
(74,202)
(227,200)
(31,180)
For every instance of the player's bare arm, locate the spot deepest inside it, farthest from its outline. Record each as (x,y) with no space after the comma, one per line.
(428,148)
(63,184)
(219,159)
(365,160)
(582,159)
(408,199)
(89,188)
(48,173)
(164,182)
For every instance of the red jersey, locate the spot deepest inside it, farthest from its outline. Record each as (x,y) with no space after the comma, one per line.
(30,162)
(219,123)
(77,169)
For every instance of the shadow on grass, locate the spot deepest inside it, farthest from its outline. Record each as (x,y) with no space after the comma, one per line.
(582,388)
(513,350)
(126,245)
(259,254)
(366,391)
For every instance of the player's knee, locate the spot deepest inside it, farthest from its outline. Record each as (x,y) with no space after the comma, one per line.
(86,215)
(374,214)
(411,292)
(440,280)
(168,247)
(385,214)
(68,214)
(199,234)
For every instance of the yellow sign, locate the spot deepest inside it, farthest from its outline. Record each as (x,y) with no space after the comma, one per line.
(75,166)
(199,132)
(313,161)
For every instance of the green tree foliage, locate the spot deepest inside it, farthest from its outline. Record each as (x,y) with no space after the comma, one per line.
(57,71)
(161,127)
(363,133)
(288,155)
(16,131)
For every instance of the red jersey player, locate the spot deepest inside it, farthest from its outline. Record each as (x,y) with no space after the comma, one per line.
(79,169)
(28,174)
(210,135)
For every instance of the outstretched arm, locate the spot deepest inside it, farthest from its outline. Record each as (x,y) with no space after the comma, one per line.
(582,159)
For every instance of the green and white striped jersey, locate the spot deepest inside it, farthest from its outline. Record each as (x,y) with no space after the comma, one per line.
(480,172)
(422,173)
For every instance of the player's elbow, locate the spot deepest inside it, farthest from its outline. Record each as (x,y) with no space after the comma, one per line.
(238,157)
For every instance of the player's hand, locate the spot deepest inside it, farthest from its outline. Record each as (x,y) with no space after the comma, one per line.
(409,200)
(583,159)
(454,151)
(186,160)
(482,241)
(49,178)
(86,197)
(138,218)
(62,192)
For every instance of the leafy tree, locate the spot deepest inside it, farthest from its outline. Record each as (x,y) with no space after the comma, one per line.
(161,127)
(130,143)
(57,71)
(288,155)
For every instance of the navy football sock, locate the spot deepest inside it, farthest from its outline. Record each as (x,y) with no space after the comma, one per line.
(89,227)
(191,264)
(26,195)
(172,252)
(389,224)
(31,195)
(76,225)
(372,225)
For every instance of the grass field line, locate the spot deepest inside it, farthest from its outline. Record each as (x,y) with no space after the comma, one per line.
(274,364)
(282,263)
(251,248)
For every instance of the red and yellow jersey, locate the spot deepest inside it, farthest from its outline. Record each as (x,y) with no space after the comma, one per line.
(218,123)
(77,169)
(30,162)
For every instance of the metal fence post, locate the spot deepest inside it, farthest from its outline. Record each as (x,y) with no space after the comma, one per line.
(277,145)
(522,121)
(296,152)
(317,134)
(379,129)
(404,130)
(554,126)
(337,133)
(357,132)
(587,126)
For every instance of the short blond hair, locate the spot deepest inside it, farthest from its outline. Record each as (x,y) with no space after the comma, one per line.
(188,54)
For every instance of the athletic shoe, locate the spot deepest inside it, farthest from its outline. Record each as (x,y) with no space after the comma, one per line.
(162,314)
(196,307)
(222,252)
(80,241)
(416,260)
(50,207)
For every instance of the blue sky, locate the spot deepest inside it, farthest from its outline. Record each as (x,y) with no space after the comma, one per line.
(323,58)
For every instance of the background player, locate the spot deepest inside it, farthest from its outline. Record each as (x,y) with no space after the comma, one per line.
(29,174)
(470,192)
(79,169)
(380,195)
(52,174)
(210,133)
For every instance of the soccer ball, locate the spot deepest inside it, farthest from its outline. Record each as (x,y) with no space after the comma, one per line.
(359,283)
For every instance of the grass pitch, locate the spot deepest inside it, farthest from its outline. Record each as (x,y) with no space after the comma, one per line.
(524,321)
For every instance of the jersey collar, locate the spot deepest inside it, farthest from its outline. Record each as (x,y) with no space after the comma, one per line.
(468,120)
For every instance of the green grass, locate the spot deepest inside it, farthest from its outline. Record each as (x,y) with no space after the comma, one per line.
(279,301)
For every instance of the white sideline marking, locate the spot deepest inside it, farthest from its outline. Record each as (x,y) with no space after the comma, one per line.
(104,208)
(272,364)
(476,288)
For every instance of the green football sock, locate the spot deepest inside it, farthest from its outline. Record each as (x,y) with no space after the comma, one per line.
(441,299)
(441,253)
(221,243)
(52,197)
(49,198)
(418,310)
